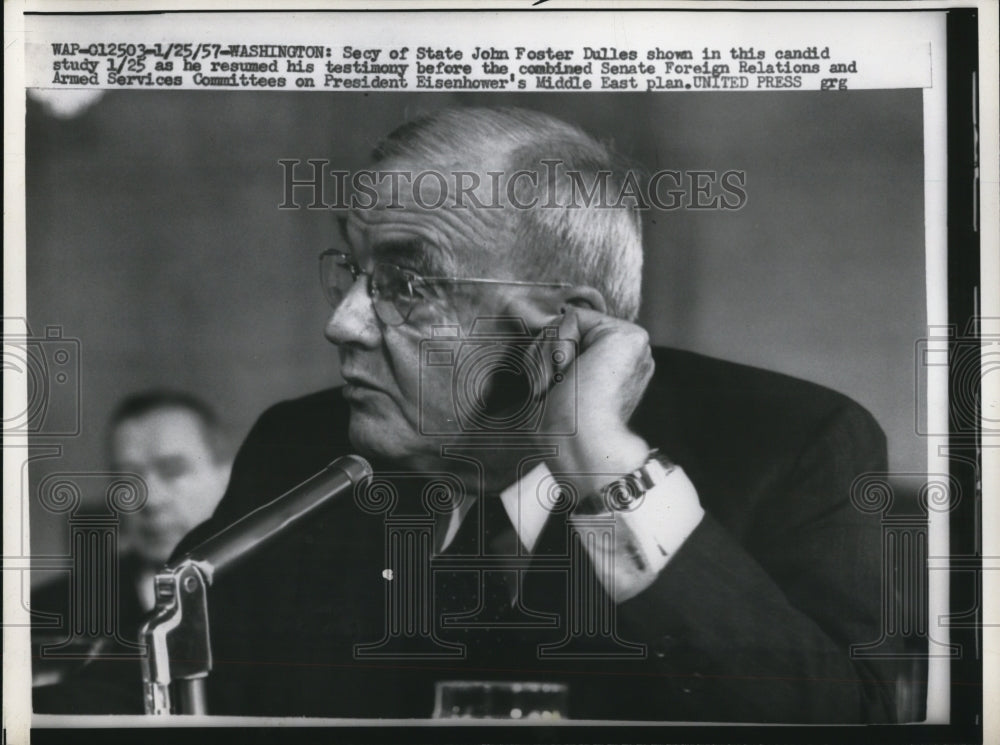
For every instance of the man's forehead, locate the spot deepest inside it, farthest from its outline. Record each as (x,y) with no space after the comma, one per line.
(394,238)
(401,219)
(161,429)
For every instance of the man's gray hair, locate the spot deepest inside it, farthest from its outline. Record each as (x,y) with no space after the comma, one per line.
(587,241)
(144,403)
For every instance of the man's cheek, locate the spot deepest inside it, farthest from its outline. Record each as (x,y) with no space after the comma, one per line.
(373,423)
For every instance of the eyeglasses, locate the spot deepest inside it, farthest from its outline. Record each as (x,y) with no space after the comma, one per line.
(395,292)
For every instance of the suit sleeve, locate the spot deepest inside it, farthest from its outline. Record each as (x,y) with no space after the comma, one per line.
(258,475)
(764,628)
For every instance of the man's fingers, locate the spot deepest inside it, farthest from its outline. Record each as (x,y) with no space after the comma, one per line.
(553,354)
(616,354)
(594,326)
(586,317)
(536,312)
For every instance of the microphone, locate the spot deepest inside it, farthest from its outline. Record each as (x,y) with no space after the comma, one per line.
(177,635)
(256,528)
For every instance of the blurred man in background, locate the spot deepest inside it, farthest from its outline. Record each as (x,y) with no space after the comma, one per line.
(174,442)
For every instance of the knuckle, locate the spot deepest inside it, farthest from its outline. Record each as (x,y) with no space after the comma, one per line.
(637,334)
(638,339)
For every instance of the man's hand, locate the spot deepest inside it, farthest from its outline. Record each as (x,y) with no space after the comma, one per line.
(592,393)
(602,385)
(612,368)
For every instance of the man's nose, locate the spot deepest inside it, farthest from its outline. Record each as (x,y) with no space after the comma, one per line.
(158,497)
(354,320)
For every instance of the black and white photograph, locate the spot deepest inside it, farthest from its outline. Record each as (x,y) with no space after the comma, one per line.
(526,375)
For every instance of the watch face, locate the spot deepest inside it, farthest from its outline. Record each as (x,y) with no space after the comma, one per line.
(665,463)
(625,493)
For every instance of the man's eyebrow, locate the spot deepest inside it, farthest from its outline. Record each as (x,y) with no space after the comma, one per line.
(411,254)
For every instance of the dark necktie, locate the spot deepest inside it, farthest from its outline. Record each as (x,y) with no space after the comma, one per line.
(476,600)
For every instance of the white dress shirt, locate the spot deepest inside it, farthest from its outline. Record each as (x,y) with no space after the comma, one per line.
(646,536)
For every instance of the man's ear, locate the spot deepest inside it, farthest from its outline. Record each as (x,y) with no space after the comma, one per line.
(543,308)
(583,296)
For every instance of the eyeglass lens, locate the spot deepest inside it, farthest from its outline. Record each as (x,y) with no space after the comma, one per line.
(390,289)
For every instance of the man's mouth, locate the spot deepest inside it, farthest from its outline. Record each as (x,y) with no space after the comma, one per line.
(158,533)
(357,389)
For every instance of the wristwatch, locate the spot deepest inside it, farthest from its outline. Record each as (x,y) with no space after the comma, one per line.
(627,493)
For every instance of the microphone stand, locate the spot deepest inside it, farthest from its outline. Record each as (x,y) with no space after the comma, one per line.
(179,649)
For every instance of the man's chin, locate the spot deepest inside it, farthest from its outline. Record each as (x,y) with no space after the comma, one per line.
(374,437)
(152,545)
(153,555)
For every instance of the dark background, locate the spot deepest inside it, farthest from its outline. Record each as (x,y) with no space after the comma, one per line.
(154,237)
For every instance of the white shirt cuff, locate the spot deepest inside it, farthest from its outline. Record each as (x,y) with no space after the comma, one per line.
(647,535)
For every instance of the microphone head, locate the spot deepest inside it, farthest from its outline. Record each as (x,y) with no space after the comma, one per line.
(356,467)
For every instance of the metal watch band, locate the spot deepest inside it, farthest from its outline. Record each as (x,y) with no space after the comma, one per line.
(627,492)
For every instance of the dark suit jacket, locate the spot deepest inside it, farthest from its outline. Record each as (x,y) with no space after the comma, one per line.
(751,620)
(98,674)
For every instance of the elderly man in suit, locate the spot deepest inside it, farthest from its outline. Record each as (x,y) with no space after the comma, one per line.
(669,536)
